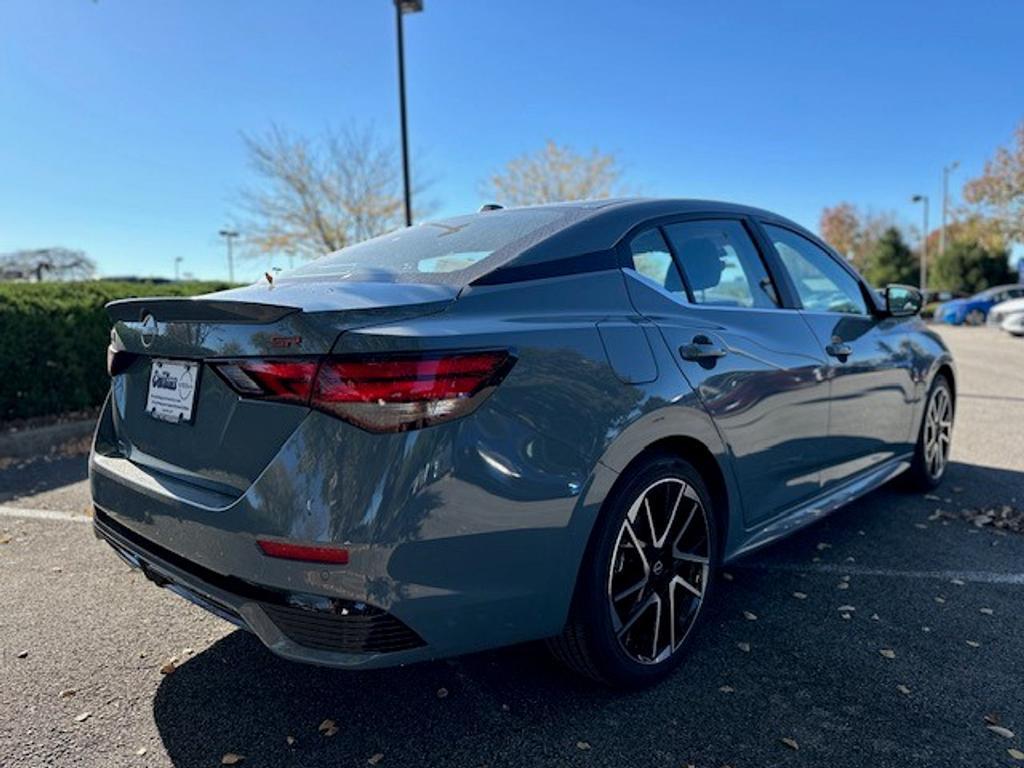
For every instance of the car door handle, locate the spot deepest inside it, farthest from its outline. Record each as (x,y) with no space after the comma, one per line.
(702,348)
(840,350)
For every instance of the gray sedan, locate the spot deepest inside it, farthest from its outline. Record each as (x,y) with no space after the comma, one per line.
(552,422)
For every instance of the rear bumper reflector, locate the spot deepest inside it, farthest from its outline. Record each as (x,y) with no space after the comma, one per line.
(310,554)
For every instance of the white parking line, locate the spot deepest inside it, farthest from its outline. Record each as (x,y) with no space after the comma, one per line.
(44,514)
(978,577)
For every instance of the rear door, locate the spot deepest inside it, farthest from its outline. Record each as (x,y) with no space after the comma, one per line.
(871,357)
(752,360)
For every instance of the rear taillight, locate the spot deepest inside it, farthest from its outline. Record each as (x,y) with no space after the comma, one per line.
(380,394)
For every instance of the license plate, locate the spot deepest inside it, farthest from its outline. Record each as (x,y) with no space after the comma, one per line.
(172,390)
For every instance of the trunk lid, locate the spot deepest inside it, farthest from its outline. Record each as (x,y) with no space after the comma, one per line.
(228,440)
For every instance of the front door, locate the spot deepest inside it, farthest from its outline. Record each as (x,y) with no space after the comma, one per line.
(870,364)
(755,365)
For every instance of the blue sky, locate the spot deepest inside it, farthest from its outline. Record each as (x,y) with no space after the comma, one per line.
(120,121)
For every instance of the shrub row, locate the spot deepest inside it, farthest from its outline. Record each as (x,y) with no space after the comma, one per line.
(53,341)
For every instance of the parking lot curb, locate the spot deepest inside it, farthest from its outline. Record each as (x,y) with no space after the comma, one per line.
(39,441)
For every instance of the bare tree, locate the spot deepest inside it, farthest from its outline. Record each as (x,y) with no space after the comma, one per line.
(316,196)
(49,264)
(554,173)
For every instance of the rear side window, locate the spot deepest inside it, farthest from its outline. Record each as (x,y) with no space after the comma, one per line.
(721,264)
(822,284)
(452,251)
(653,260)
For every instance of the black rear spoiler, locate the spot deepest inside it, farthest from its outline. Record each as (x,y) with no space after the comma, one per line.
(199,310)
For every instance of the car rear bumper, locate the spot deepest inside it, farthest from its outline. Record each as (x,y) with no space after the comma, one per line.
(302,627)
(453,540)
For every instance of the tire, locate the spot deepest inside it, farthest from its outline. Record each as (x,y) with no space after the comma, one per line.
(607,639)
(975,317)
(926,471)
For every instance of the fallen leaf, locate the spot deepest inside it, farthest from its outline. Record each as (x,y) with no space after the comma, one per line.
(992,718)
(974,643)
(791,743)
(932,497)
(926,629)
(823,545)
(940,600)
(987,611)
(168,668)
(67,693)
(726,575)
(22,654)
(290,740)
(749,616)
(846,608)
(844,578)
(442,693)
(888,653)
(922,526)
(231,758)
(958,582)
(582,745)
(188,652)
(843,585)
(727,689)
(875,617)
(1016,754)
(800,595)
(999,730)
(903,689)
(57,569)
(82,717)
(845,616)
(325,725)
(140,751)
(745,647)
(374,759)
(5,538)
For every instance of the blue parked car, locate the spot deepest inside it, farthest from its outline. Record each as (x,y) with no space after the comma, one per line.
(974,309)
(551,422)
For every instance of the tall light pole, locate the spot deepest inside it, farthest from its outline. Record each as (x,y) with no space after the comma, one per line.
(177,267)
(924,241)
(946,170)
(403,7)
(229,235)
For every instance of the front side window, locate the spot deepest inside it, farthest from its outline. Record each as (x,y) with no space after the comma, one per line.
(821,283)
(721,264)
(653,260)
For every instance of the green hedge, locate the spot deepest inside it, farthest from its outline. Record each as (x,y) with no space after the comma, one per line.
(53,342)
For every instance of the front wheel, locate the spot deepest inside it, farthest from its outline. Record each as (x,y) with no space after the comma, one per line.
(646,577)
(931,454)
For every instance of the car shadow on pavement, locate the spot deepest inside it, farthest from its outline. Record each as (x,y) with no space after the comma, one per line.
(516,706)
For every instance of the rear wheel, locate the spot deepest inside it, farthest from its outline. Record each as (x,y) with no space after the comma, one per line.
(646,577)
(931,455)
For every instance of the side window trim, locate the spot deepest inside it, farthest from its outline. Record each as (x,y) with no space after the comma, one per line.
(678,264)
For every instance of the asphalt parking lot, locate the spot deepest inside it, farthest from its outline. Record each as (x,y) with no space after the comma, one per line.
(898,573)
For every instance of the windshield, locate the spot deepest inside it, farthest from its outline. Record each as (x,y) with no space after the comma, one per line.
(451,251)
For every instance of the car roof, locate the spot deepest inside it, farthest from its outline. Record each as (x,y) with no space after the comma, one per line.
(596,226)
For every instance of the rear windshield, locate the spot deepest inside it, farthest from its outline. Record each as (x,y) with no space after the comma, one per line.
(452,251)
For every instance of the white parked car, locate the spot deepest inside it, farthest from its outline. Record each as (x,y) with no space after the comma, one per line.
(1008,315)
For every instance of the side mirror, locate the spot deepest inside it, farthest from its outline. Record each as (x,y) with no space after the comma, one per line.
(903,300)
